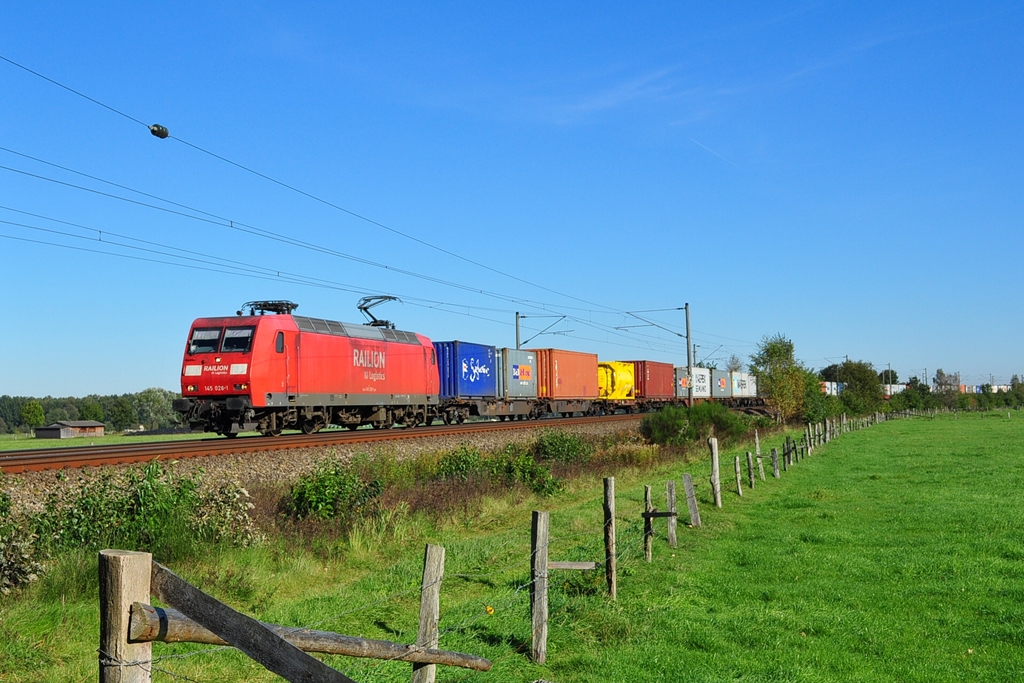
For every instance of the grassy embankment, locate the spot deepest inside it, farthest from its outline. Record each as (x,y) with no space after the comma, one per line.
(892,554)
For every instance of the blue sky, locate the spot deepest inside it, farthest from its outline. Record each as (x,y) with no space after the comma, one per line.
(848,174)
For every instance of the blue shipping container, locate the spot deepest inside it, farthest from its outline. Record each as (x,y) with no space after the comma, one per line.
(466,370)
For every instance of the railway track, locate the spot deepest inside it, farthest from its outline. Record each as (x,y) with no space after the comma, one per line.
(39,459)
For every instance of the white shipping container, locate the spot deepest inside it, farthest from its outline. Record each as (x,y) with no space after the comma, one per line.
(701,379)
(743,385)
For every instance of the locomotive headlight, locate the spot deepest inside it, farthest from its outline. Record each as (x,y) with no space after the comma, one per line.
(241,387)
(192,387)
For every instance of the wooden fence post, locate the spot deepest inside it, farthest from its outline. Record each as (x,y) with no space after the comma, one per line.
(124,579)
(757,444)
(539,585)
(775,463)
(691,500)
(750,469)
(609,535)
(430,610)
(670,495)
(716,482)
(739,476)
(760,467)
(648,525)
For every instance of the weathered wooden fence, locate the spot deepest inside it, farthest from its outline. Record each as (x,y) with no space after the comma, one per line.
(129,625)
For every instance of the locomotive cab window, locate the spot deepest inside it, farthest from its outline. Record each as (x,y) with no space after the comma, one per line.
(279,344)
(237,339)
(204,340)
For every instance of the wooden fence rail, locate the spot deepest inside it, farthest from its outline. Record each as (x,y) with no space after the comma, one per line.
(129,625)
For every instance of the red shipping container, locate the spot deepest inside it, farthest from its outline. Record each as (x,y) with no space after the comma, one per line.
(566,374)
(653,379)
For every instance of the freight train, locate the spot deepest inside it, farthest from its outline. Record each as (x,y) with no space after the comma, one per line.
(271,370)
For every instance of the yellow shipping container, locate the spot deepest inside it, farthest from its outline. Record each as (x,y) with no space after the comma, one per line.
(616,381)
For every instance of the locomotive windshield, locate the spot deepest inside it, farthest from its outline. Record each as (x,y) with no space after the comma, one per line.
(204,340)
(237,340)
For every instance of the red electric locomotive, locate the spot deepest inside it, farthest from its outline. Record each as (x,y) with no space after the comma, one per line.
(272,370)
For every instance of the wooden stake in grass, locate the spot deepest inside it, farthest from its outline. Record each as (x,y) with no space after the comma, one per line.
(739,477)
(760,468)
(648,525)
(430,610)
(775,462)
(750,469)
(539,585)
(670,495)
(716,482)
(757,444)
(609,535)
(691,500)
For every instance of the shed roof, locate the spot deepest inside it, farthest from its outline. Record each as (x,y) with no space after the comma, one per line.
(77,423)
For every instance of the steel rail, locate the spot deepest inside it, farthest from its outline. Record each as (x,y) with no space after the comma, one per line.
(39,459)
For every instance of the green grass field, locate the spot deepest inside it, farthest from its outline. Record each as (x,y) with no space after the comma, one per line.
(14,442)
(892,554)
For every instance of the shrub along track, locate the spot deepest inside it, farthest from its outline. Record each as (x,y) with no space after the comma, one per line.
(36,460)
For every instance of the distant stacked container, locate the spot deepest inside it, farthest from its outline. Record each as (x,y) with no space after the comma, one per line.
(701,380)
(744,385)
(721,386)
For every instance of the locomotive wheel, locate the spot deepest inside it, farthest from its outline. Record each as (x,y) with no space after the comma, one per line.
(446,418)
(271,432)
(352,428)
(231,435)
(311,427)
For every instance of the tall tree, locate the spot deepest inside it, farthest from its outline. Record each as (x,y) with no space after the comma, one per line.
(779,376)
(734,364)
(122,414)
(91,410)
(830,373)
(32,414)
(862,390)
(888,377)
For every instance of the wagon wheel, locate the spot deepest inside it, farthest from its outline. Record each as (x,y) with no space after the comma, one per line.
(311,427)
(271,432)
(231,435)
(446,418)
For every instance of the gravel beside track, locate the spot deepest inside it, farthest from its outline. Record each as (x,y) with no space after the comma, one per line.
(29,490)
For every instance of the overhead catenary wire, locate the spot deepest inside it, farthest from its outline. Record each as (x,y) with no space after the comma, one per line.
(303,192)
(239,226)
(162,132)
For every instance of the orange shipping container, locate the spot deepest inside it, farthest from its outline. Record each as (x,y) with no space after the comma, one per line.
(566,374)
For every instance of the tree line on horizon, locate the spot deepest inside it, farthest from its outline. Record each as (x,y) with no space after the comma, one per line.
(150,409)
(794,390)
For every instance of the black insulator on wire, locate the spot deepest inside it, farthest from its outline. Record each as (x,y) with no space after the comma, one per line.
(159,131)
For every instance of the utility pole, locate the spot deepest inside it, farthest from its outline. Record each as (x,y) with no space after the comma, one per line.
(689,359)
(517,330)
